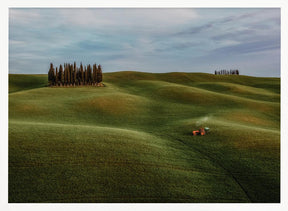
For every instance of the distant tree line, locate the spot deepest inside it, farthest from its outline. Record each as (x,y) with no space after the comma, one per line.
(227,72)
(71,75)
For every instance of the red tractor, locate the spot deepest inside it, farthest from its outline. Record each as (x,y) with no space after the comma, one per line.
(201,132)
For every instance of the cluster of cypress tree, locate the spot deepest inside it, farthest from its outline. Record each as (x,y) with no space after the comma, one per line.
(227,72)
(71,75)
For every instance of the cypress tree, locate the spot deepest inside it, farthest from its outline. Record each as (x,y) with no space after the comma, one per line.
(99,74)
(65,75)
(51,75)
(82,73)
(89,74)
(56,77)
(68,75)
(71,74)
(94,74)
(85,76)
(78,76)
(75,76)
(74,73)
(82,76)
(61,75)
(72,77)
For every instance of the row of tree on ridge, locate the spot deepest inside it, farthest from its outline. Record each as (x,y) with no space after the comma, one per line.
(227,72)
(71,75)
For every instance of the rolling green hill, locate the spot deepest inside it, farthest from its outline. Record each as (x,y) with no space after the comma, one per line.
(131,141)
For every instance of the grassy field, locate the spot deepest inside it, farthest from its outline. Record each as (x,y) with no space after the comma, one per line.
(131,141)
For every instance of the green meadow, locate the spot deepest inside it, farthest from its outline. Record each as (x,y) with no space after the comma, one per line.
(131,141)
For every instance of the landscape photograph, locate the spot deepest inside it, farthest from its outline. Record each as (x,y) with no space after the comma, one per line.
(144,105)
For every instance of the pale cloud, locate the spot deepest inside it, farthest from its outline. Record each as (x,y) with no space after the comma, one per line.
(18,16)
(17,42)
(128,17)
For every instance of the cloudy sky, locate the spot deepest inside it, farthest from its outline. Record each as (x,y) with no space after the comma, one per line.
(147,40)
